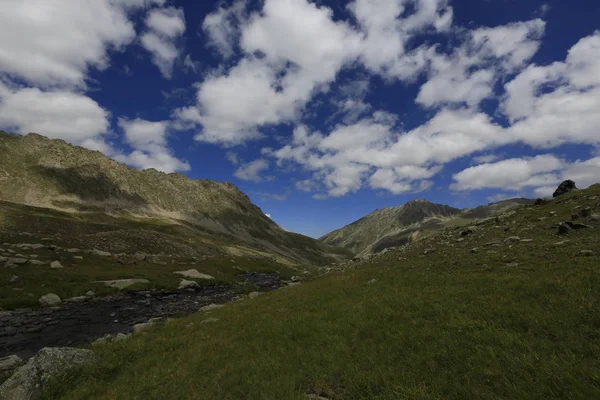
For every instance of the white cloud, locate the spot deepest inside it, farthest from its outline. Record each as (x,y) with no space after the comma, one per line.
(222,27)
(232,157)
(252,170)
(486,158)
(149,141)
(165,26)
(542,173)
(56,114)
(53,43)
(511,174)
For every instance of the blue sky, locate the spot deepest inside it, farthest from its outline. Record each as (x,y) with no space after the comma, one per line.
(321,111)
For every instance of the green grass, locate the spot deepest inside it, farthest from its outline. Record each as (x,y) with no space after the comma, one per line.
(448,325)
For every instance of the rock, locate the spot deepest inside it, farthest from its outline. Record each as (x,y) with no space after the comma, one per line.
(474,250)
(372,281)
(587,253)
(49,300)
(76,299)
(209,320)
(575,225)
(123,283)
(595,218)
(541,202)
(194,274)
(27,383)
(9,363)
(56,265)
(77,257)
(512,239)
(493,243)
(514,264)
(37,246)
(292,284)
(316,397)
(561,243)
(211,307)
(564,229)
(295,279)
(254,295)
(526,240)
(185,284)
(139,256)
(14,278)
(17,261)
(564,188)
(90,293)
(120,337)
(469,231)
(137,328)
(73,250)
(36,262)
(101,253)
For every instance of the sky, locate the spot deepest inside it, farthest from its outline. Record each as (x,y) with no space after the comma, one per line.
(320,111)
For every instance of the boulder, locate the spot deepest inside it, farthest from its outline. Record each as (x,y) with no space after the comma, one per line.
(194,274)
(185,284)
(36,262)
(27,383)
(17,261)
(10,363)
(564,188)
(138,328)
(101,253)
(56,265)
(469,231)
(211,307)
(123,283)
(587,253)
(254,295)
(512,239)
(49,300)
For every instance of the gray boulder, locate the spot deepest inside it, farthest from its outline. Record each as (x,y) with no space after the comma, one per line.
(9,363)
(28,382)
(564,188)
(185,284)
(49,300)
(56,265)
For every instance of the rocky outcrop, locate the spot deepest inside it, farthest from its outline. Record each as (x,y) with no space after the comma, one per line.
(29,380)
(564,188)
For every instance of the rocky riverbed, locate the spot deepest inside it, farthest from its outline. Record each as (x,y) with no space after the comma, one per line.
(24,332)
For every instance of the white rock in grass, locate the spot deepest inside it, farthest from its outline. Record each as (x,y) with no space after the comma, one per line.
(194,274)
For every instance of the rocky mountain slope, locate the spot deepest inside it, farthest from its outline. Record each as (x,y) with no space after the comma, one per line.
(84,194)
(397,226)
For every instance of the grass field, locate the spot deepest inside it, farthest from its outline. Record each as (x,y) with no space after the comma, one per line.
(437,320)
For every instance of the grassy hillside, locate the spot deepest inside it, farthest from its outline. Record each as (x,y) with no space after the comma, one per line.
(93,192)
(450,317)
(397,226)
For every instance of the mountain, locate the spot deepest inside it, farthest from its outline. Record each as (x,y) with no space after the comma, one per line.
(85,194)
(397,226)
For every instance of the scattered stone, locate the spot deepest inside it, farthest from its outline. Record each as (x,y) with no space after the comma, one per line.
(474,250)
(561,243)
(541,202)
(552,213)
(185,284)
(428,251)
(514,264)
(56,265)
(139,256)
(73,250)
(211,307)
(587,253)
(27,383)
(526,240)
(137,328)
(10,363)
(512,239)
(49,300)
(36,262)
(209,320)
(14,278)
(194,274)
(17,261)
(123,283)
(295,279)
(101,253)
(77,257)
(293,284)
(372,281)
(90,293)
(120,337)
(469,231)
(564,188)
(254,295)
(76,299)
(316,397)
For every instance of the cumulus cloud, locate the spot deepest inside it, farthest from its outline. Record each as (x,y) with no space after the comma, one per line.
(149,141)
(541,173)
(57,114)
(222,27)
(252,170)
(53,43)
(165,26)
